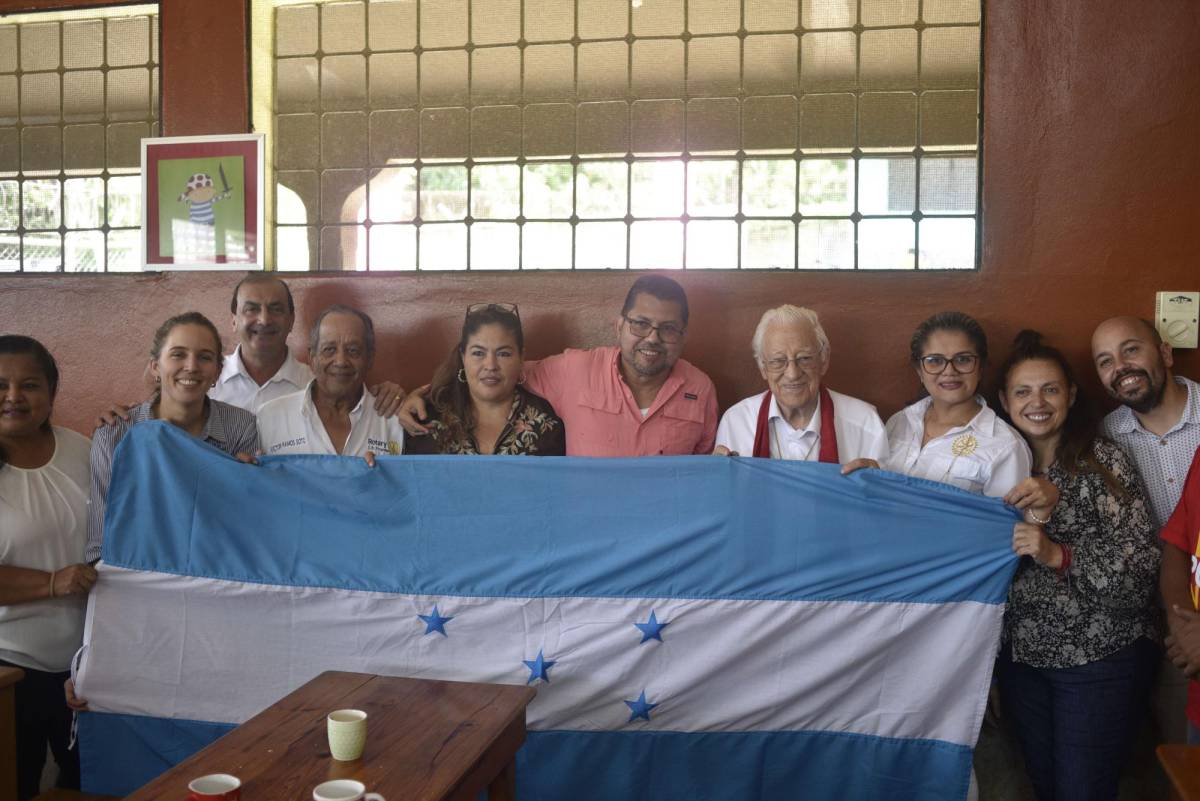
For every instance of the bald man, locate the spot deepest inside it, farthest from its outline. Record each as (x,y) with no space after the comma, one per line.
(1158,425)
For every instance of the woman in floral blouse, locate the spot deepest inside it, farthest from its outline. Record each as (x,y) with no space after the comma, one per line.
(478,404)
(1080,632)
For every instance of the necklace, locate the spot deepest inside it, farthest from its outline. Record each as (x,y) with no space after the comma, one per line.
(778,450)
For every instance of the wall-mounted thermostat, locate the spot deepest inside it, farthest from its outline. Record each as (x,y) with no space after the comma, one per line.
(1177,317)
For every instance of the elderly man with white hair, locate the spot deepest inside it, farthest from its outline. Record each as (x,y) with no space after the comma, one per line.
(797,417)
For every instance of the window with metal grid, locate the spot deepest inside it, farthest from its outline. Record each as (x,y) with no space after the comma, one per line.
(78,92)
(595,134)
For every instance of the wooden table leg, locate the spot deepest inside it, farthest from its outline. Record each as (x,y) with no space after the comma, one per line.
(8,733)
(504,786)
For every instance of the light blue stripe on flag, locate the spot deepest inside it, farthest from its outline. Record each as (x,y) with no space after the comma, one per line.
(122,752)
(678,527)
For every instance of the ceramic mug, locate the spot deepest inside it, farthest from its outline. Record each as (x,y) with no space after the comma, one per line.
(215,787)
(343,790)
(347,733)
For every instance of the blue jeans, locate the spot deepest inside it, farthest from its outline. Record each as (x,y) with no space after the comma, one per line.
(1075,724)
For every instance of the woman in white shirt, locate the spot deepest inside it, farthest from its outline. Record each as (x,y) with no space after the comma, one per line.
(951,435)
(43,580)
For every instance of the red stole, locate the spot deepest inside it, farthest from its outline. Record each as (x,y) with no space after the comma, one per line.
(829,447)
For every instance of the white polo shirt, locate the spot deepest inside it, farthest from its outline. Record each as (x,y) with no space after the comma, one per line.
(291,425)
(986,456)
(860,432)
(237,388)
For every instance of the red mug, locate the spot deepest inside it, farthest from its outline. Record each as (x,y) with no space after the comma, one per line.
(215,787)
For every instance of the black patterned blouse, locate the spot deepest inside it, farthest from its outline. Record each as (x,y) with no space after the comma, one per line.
(1106,599)
(533,429)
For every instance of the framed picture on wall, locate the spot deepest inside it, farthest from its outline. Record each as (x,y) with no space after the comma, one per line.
(202,202)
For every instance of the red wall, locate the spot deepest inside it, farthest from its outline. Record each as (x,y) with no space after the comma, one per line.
(1091,203)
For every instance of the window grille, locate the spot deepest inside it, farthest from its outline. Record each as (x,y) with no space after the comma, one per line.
(592,134)
(78,92)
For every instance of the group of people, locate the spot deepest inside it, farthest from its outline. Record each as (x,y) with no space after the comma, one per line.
(1084,628)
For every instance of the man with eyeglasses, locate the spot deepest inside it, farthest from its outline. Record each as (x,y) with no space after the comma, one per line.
(636,399)
(798,418)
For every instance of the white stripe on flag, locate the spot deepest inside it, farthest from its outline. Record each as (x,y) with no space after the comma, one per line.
(214,650)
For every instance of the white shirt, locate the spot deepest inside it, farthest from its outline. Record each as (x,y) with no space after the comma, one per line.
(860,432)
(291,424)
(1162,461)
(990,457)
(43,525)
(236,387)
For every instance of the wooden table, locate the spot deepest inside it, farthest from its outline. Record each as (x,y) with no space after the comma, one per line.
(1182,766)
(426,741)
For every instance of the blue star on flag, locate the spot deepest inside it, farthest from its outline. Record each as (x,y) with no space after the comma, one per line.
(640,708)
(652,629)
(539,668)
(435,622)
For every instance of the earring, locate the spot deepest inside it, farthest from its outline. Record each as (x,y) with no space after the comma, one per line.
(521,380)
(462,376)
(158,379)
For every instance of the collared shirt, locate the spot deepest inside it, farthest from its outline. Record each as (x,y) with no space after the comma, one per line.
(1162,461)
(860,432)
(227,427)
(602,417)
(236,387)
(986,456)
(291,424)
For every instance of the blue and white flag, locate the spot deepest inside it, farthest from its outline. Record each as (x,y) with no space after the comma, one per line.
(696,627)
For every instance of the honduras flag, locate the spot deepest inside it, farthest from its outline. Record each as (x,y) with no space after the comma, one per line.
(696,627)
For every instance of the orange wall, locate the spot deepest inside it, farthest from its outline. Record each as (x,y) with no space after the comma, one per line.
(1091,203)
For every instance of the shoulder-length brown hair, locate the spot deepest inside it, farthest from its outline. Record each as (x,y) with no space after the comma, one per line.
(450,396)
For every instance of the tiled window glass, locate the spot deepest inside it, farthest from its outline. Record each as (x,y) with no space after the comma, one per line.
(615,134)
(78,92)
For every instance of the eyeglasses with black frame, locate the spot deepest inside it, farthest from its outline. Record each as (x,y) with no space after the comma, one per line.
(506,308)
(668,333)
(964,363)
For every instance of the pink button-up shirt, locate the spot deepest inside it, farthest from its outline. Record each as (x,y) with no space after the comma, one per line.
(602,418)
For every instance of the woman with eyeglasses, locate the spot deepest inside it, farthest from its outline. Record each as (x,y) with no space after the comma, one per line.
(1081,626)
(477,404)
(951,435)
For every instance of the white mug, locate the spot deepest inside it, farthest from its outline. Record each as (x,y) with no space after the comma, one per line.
(343,790)
(347,733)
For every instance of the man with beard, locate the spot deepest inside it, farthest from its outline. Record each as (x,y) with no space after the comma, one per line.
(1158,421)
(636,399)
(797,417)
(1158,425)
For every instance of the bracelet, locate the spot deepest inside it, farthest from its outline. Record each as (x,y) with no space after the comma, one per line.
(1037,519)
(1065,567)
(53,573)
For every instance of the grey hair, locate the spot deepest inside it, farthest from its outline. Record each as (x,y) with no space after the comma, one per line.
(787,313)
(314,336)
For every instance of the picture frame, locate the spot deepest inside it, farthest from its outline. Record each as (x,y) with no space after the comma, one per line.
(202,202)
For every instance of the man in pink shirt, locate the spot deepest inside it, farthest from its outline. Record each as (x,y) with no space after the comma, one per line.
(636,399)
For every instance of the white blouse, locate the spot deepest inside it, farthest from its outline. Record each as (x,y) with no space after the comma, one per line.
(986,456)
(43,525)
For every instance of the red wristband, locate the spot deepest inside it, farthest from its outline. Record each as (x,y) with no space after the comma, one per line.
(1066,559)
